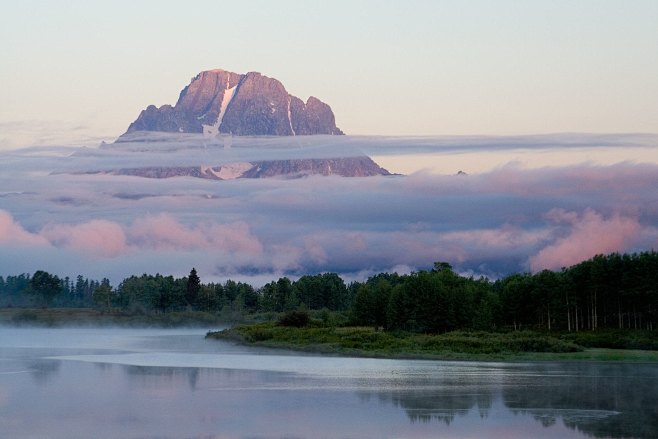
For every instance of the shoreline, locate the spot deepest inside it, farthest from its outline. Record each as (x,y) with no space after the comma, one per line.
(317,340)
(366,342)
(89,317)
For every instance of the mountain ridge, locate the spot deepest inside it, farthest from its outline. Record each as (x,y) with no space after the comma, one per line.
(221,102)
(358,166)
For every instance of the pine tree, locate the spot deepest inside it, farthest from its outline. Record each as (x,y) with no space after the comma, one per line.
(193,288)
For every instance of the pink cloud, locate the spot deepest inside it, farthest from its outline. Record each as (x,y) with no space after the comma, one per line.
(314,250)
(164,232)
(161,232)
(233,237)
(13,233)
(356,242)
(102,237)
(562,216)
(590,234)
(286,257)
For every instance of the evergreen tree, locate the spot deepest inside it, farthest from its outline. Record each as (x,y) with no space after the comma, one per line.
(193,287)
(45,286)
(103,295)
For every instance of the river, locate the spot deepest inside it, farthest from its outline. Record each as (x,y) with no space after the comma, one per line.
(154,383)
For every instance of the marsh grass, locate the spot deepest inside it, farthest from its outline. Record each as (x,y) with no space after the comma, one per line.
(366,341)
(615,339)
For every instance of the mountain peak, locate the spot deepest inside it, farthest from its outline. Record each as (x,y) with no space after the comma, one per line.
(252,104)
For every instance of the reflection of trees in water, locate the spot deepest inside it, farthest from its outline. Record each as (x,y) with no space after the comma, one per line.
(43,370)
(161,377)
(441,399)
(613,400)
(442,406)
(610,400)
(151,376)
(105,367)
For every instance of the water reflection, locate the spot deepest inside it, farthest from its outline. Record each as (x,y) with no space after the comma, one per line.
(155,377)
(438,403)
(611,400)
(427,408)
(133,386)
(602,400)
(43,371)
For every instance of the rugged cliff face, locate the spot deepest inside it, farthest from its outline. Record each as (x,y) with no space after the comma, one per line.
(220,102)
(361,166)
(217,101)
(345,167)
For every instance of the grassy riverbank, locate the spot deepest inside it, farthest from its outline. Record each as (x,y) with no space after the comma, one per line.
(365,341)
(56,317)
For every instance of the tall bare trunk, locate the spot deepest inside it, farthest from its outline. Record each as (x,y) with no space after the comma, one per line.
(568,316)
(596,312)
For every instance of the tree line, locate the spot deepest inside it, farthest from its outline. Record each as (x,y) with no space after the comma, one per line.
(45,289)
(607,291)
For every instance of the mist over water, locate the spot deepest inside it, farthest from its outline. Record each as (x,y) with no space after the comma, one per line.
(131,383)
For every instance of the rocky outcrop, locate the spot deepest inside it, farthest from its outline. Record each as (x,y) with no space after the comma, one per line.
(293,168)
(217,101)
(345,167)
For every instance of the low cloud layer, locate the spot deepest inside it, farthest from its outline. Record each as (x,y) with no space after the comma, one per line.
(56,217)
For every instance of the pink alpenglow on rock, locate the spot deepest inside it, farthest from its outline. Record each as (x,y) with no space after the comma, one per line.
(251,104)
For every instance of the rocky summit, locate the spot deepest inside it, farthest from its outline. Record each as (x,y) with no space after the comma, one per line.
(218,102)
(251,104)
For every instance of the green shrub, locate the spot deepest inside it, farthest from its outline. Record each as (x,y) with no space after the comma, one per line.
(297,319)
(259,334)
(615,339)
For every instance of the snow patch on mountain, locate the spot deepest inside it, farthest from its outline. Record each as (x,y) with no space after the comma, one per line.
(232,170)
(292,130)
(213,130)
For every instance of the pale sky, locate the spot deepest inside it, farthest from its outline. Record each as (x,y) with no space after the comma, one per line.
(75,71)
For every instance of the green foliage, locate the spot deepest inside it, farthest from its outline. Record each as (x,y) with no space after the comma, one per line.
(369,342)
(87,316)
(604,293)
(613,291)
(13,290)
(103,296)
(297,318)
(159,293)
(45,287)
(277,296)
(326,290)
(363,306)
(491,342)
(615,339)
(192,287)
(329,319)
(247,297)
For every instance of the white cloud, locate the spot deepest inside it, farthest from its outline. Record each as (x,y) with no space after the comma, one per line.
(507,219)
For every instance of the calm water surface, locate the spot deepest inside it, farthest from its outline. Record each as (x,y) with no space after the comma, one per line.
(127,383)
